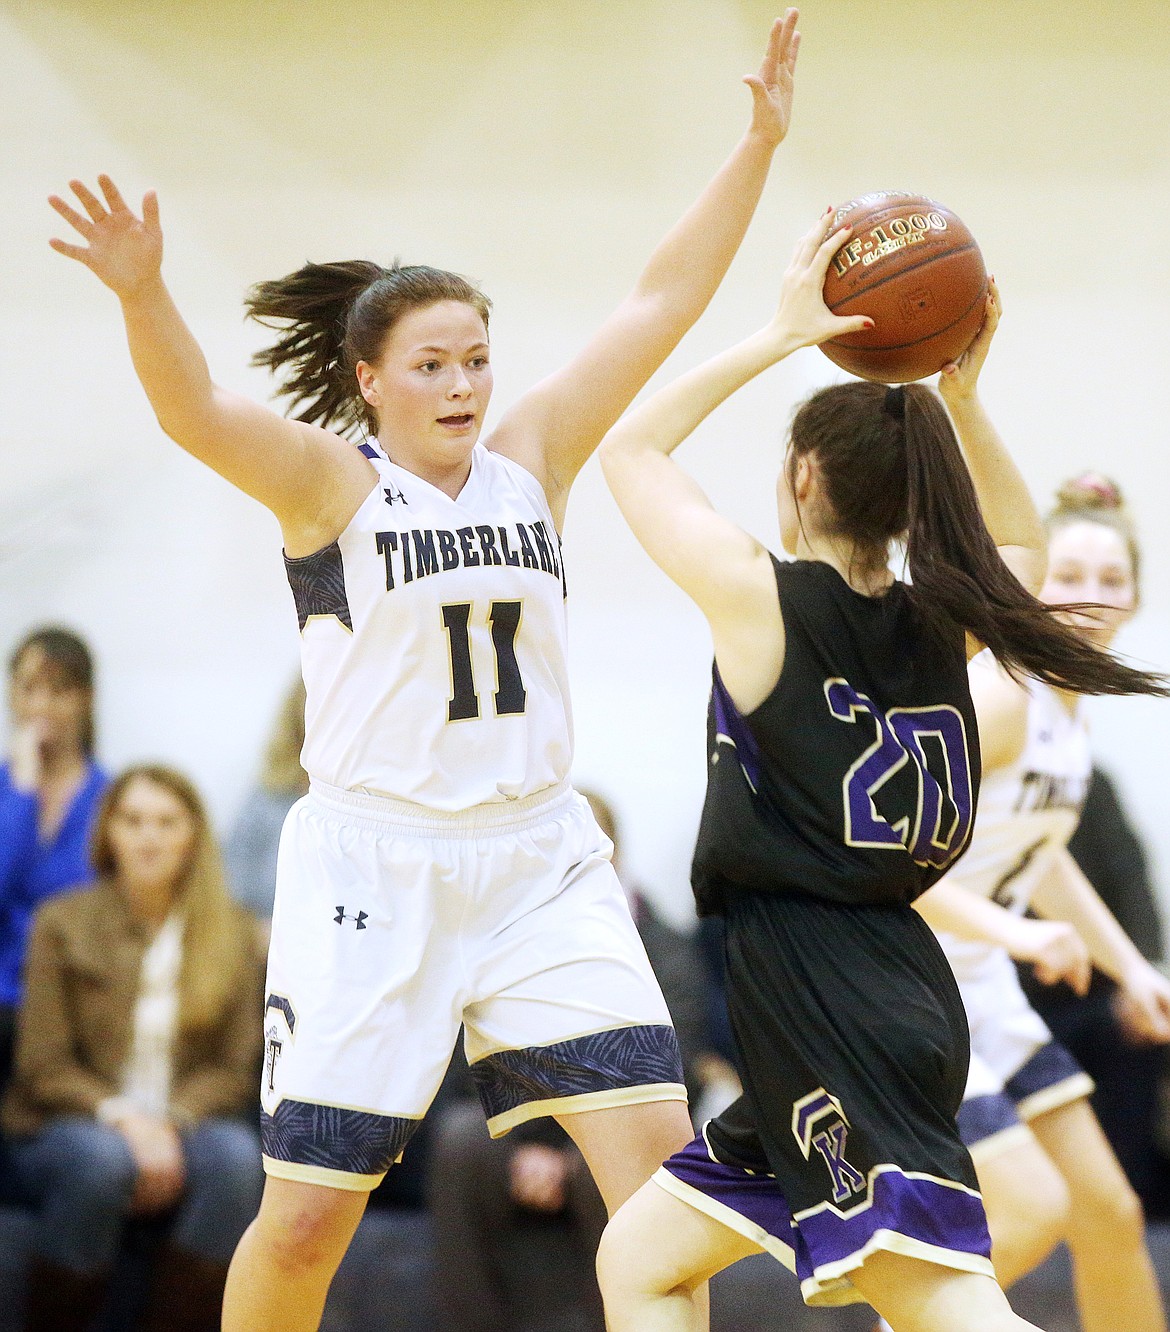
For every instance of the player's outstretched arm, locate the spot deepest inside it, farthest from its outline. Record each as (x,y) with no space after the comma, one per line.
(726,572)
(298,471)
(1066,894)
(1054,948)
(1008,509)
(555,427)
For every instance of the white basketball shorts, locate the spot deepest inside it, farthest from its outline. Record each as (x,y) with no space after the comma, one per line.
(1018,1072)
(394,924)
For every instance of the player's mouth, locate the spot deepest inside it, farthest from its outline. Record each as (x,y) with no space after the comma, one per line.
(459,421)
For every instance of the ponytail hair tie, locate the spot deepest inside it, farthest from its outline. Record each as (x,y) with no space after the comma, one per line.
(894,403)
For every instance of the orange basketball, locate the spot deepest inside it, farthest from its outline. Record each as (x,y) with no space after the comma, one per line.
(914,268)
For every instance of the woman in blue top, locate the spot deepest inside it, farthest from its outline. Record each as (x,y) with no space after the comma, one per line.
(49,791)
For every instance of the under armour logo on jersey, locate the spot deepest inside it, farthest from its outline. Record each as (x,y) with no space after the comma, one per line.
(359,921)
(393,496)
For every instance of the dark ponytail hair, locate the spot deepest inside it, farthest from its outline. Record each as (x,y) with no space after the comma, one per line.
(892,468)
(331,316)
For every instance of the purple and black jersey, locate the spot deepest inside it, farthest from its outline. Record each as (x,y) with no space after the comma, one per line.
(830,808)
(856,778)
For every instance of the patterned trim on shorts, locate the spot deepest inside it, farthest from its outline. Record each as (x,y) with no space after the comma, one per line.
(621,1066)
(332,1144)
(992,1123)
(905,1212)
(1051,1078)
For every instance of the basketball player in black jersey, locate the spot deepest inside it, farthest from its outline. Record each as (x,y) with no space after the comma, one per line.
(843,773)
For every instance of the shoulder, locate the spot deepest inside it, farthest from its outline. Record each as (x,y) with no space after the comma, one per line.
(75,913)
(1001,706)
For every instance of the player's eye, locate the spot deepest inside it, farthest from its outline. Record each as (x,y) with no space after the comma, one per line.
(429,366)
(478,362)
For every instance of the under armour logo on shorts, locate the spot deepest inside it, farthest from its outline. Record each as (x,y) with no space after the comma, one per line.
(359,921)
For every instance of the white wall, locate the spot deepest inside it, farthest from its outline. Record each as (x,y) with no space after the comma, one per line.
(543,147)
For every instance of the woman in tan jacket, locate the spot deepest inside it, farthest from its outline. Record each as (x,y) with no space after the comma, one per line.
(137,1047)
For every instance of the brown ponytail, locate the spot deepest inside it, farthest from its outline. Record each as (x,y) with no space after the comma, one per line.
(892,467)
(332,316)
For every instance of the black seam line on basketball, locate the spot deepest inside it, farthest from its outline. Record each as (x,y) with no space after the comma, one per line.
(901,273)
(901,346)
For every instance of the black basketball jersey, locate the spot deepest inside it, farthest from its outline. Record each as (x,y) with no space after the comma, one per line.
(856,778)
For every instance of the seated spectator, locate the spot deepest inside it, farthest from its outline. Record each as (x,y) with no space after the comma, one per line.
(250,850)
(490,1199)
(1098,1029)
(49,791)
(138,1041)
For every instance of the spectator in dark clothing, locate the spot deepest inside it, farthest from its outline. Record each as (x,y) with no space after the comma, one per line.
(49,791)
(1097,1029)
(491,1200)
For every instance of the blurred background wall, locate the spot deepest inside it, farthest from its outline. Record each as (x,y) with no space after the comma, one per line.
(543,147)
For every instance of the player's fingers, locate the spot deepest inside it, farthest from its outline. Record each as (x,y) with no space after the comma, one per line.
(89,201)
(114,200)
(774,51)
(828,248)
(1082,977)
(150,210)
(80,224)
(812,239)
(852,324)
(78,252)
(793,52)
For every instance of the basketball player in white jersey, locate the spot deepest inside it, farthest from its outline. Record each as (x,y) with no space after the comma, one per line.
(1045,1169)
(441,870)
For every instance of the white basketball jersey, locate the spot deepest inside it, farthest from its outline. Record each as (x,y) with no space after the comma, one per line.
(433,641)
(1026,813)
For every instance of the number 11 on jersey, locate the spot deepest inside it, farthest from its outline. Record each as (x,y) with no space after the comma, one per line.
(509,697)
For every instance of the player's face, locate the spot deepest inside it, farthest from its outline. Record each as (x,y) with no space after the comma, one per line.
(431,385)
(1088,561)
(152,836)
(42,696)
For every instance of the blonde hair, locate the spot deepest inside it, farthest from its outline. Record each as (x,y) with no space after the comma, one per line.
(282,773)
(214,944)
(1093,497)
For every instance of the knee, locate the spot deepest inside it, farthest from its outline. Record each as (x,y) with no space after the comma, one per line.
(622,1272)
(102,1166)
(312,1234)
(613,1266)
(1049,1209)
(224,1156)
(1111,1215)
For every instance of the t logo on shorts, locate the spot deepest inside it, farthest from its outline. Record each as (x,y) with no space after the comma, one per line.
(829,1139)
(280,1022)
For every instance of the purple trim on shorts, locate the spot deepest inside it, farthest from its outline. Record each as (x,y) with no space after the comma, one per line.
(602,1061)
(920,1209)
(1049,1066)
(755,1197)
(983,1117)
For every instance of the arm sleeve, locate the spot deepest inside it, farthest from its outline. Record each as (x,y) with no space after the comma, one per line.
(1107,848)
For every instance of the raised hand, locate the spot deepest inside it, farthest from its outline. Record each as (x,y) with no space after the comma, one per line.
(959,378)
(123,250)
(803,319)
(772,86)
